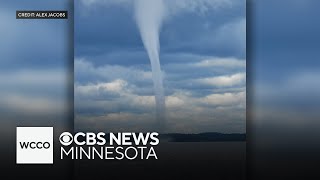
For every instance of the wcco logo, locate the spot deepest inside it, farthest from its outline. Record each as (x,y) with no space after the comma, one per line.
(34,145)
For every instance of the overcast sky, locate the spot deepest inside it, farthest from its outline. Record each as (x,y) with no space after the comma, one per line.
(34,66)
(202,58)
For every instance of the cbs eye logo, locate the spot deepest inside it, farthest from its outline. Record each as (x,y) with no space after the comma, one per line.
(66,138)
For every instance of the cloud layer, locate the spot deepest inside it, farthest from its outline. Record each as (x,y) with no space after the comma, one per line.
(119,100)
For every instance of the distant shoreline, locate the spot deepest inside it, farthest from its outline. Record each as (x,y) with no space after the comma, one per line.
(203,137)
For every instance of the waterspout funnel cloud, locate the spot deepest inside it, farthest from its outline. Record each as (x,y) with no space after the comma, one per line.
(149,15)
